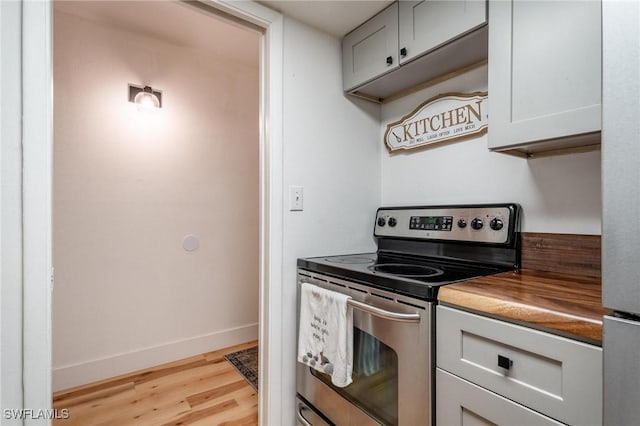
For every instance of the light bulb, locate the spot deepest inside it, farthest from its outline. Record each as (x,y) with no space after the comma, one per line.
(147,100)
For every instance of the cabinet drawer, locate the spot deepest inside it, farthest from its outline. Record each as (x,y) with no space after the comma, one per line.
(559,377)
(459,402)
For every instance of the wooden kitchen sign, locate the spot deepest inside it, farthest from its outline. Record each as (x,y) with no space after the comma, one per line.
(445,118)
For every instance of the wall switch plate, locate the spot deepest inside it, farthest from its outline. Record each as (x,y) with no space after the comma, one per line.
(295,198)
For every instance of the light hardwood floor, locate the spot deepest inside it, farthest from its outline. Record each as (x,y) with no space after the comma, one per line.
(201,390)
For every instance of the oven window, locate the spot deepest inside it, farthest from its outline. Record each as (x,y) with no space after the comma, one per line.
(375,378)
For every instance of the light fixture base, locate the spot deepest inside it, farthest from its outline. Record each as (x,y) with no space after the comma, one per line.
(135,89)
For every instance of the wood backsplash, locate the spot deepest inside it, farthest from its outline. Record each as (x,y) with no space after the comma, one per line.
(564,253)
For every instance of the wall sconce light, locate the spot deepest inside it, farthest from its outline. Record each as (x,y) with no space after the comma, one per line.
(146,97)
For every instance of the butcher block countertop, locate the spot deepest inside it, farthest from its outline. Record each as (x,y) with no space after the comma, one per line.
(560,303)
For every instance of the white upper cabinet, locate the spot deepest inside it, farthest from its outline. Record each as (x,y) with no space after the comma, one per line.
(371,49)
(413,42)
(544,74)
(426,25)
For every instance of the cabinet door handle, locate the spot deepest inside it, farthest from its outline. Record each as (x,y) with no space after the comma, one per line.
(504,362)
(389,60)
(403,52)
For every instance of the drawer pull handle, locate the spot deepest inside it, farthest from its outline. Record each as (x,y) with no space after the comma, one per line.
(504,362)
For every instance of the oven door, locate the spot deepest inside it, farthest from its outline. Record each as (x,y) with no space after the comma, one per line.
(392,361)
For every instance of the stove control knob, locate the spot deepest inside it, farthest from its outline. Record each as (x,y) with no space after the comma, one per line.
(477,223)
(381,221)
(496,224)
(462,223)
(392,222)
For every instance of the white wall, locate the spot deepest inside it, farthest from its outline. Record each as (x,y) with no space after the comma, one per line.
(559,194)
(128,187)
(331,149)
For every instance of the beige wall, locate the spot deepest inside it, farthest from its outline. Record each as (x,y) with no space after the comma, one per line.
(128,187)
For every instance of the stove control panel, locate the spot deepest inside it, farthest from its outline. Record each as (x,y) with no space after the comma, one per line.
(490,223)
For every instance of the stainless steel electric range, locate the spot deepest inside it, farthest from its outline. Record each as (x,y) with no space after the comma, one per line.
(393,293)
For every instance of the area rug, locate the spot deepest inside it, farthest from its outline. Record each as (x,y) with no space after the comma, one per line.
(246,362)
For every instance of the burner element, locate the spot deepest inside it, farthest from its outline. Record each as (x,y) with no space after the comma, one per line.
(406,270)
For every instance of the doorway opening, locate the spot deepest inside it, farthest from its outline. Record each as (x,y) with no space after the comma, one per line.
(156,236)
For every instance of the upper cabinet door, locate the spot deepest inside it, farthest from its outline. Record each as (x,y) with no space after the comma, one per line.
(544,72)
(425,25)
(371,49)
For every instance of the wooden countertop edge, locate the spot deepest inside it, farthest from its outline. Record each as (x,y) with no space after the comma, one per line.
(537,317)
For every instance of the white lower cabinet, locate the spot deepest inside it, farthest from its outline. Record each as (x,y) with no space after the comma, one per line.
(523,370)
(459,402)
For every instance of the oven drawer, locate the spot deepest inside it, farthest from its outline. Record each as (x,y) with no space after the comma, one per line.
(559,377)
(459,402)
(307,416)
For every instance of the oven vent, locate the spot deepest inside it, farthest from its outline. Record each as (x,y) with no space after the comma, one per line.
(383,297)
(358,289)
(410,304)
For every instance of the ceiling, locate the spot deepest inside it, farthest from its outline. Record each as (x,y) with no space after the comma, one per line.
(186,25)
(174,22)
(334,17)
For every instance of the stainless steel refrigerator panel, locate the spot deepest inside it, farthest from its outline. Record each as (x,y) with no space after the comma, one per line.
(621,371)
(621,156)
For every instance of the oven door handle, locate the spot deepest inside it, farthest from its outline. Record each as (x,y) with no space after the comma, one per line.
(383,313)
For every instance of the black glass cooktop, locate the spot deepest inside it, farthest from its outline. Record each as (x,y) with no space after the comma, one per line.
(414,276)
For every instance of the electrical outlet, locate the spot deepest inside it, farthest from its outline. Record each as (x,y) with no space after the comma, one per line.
(295,198)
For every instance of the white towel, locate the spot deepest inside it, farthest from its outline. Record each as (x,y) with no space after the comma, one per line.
(325,340)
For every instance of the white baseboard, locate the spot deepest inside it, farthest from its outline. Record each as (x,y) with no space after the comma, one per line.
(69,376)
